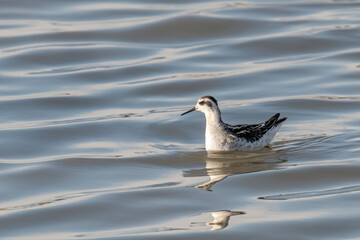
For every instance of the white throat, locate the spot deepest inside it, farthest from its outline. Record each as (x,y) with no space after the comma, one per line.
(213,117)
(214,129)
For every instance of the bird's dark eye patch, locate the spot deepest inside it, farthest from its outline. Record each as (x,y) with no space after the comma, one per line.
(209,104)
(201,102)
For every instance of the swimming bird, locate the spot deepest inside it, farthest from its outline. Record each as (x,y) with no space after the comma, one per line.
(220,136)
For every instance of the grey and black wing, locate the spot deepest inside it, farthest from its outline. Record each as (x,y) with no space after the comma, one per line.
(253,132)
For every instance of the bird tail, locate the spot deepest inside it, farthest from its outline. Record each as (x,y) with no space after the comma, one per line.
(274,123)
(274,120)
(280,121)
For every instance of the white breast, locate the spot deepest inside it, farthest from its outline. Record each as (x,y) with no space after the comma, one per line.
(216,139)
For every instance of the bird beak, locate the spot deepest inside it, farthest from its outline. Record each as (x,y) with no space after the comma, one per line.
(191,110)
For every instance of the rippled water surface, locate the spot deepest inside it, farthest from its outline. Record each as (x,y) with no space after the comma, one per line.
(92,145)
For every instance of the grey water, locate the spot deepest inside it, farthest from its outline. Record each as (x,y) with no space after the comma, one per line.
(92,145)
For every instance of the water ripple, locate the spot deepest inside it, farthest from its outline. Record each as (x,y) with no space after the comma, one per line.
(320,193)
(92,144)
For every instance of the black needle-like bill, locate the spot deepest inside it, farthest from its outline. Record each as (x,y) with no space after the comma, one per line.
(191,110)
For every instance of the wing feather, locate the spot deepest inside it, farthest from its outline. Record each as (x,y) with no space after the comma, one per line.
(253,132)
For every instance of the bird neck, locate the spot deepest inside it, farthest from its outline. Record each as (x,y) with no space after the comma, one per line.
(213,118)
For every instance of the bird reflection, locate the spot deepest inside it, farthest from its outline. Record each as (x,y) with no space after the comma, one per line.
(220,165)
(220,219)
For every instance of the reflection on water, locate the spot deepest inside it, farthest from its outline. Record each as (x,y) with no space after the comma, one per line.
(220,219)
(220,165)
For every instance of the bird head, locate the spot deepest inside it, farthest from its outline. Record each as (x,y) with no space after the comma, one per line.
(205,104)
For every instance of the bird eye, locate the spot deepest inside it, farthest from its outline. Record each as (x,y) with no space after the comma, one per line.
(201,102)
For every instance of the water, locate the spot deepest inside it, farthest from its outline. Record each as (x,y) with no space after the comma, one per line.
(92,145)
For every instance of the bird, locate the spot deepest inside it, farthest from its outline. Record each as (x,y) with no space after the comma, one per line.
(220,136)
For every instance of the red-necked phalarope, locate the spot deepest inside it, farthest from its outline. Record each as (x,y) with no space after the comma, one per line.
(220,136)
